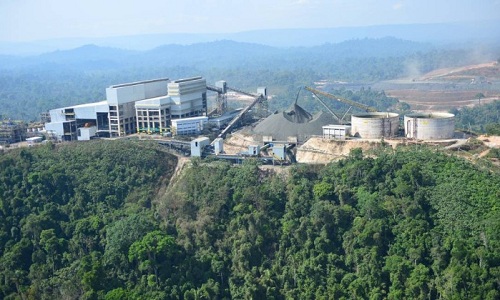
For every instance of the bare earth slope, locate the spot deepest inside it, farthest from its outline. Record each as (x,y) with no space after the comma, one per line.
(444,89)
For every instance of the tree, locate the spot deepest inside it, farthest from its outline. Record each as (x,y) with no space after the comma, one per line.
(479,96)
(117,294)
(52,246)
(152,251)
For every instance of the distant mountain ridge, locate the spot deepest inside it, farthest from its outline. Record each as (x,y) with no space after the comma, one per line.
(218,53)
(33,84)
(488,31)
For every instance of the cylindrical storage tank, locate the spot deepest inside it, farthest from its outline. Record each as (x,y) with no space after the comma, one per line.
(375,125)
(429,126)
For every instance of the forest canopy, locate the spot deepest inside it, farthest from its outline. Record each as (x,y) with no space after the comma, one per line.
(483,118)
(97,221)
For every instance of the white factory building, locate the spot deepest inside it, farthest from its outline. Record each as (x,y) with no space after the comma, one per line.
(187,126)
(145,106)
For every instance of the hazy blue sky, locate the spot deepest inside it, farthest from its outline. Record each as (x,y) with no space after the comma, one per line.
(25,20)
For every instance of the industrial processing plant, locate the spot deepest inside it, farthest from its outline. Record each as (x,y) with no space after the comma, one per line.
(147,106)
(170,108)
(299,124)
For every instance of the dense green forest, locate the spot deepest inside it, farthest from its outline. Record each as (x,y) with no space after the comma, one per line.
(69,214)
(31,85)
(97,221)
(483,118)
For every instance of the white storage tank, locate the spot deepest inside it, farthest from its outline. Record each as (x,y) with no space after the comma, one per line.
(375,125)
(429,126)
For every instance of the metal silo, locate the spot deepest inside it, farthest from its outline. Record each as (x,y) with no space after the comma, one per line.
(375,125)
(429,126)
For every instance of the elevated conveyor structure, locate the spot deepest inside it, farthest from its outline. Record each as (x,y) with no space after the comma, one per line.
(258,98)
(221,100)
(340,99)
(182,147)
(262,93)
(339,119)
(238,116)
(221,89)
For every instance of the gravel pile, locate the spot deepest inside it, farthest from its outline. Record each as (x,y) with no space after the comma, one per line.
(297,115)
(296,122)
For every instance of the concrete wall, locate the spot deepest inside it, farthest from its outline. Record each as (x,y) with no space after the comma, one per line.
(84,111)
(195,85)
(188,96)
(156,103)
(120,95)
(156,88)
(56,127)
(198,145)
(218,146)
(85,133)
(253,150)
(57,115)
(262,91)
(279,151)
(123,93)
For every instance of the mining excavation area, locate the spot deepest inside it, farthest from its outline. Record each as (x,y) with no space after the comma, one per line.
(445,89)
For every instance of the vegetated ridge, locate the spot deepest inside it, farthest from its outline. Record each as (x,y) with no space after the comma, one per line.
(79,221)
(69,214)
(34,84)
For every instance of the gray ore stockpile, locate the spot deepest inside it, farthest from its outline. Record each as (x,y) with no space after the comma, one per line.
(296,122)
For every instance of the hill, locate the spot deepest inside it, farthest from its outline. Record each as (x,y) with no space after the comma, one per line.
(221,53)
(96,221)
(384,227)
(31,85)
(439,33)
(449,88)
(69,211)
(469,73)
